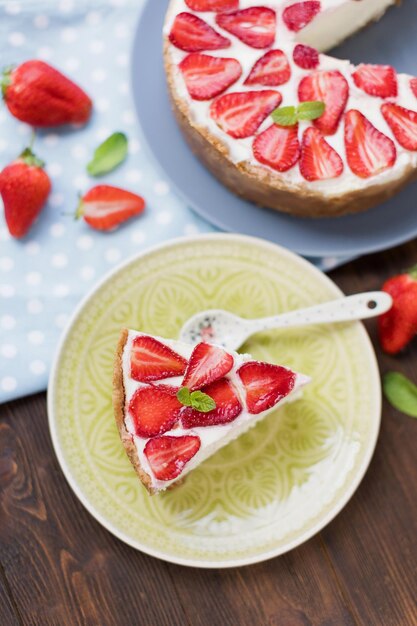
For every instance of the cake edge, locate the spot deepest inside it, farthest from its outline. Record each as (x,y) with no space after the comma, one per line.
(119,400)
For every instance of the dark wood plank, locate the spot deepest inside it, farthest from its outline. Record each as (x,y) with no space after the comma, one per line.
(8,611)
(60,565)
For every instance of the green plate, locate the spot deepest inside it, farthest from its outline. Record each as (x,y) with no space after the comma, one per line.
(272,488)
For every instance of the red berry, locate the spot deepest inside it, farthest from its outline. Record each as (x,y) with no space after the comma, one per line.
(24,188)
(332,89)
(105,207)
(167,456)
(207,76)
(152,360)
(207,363)
(239,114)
(271,70)
(298,15)
(227,408)
(154,410)
(278,147)
(265,384)
(403,124)
(398,326)
(368,151)
(319,161)
(192,34)
(254,26)
(40,95)
(376,80)
(212,5)
(305,57)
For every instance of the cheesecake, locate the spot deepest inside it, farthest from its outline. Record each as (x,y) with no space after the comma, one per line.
(275,119)
(176,404)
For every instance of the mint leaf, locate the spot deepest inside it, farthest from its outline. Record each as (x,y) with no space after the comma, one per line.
(401,393)
(184,396)
(285,116)
(202,402)
(310,110)
(108,155)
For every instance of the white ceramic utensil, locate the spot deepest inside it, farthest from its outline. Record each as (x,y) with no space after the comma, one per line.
(231,331)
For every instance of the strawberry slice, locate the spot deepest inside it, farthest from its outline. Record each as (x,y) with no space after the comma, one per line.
(167,456)
(206,76)
(368,151)
(207,363)
(319,161)
(332,89)
(278,147)
(105,207)
(227,408)
(212,5)
(376,80)
(254,26)
(298,15)
(152,360)
(154,410)
(403,123)
(240,114)
(413,86)
(305,57)
(192,34)
(265,384)
(270,70)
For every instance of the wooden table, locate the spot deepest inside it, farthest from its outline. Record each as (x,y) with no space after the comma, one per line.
(59,566)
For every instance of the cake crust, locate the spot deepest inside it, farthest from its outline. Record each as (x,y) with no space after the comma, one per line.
(119,401)
(262,185)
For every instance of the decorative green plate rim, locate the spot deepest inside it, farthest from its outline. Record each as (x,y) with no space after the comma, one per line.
(339,502)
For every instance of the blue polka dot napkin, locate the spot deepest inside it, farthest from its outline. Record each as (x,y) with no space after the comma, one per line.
(43,277)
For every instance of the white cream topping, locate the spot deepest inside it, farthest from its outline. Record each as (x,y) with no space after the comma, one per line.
(336,20)
(212,437)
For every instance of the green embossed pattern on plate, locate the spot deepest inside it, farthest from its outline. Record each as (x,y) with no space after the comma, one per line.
(272,488)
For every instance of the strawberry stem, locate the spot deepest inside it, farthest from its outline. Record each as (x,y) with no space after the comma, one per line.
(30,158)
(5,79)
(79,211)
(413,272)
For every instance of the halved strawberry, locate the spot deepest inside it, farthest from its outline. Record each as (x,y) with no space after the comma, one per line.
(403,123)
(167,456)
(192,34)
(154,410)
(265,384)
(368,151)
(270,70)
(152,360)
(212,5)
(398,326)
(105,207)
(278,147)
(254,26)
(240,114)
(305,57)
(227,408)
(207,363)
(319,161)
(376,80)
(298,15)
(413,86)
(332,89)
(206,76)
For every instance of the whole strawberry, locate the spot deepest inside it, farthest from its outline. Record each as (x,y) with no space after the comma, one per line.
(24,188)
(105,207)
(40,95)
(399,325)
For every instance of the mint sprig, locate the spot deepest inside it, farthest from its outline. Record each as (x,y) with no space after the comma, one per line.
(305,111)
(401,393)
(108,155)
(196,400)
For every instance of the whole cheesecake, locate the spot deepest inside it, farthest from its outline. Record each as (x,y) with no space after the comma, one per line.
(235,66)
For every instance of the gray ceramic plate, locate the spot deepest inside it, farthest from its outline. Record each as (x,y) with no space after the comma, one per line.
(392,40)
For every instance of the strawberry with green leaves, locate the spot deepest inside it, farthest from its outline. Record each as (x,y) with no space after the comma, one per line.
(24,188)
(398,326)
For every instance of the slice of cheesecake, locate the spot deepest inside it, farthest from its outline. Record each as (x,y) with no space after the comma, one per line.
(175,405)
